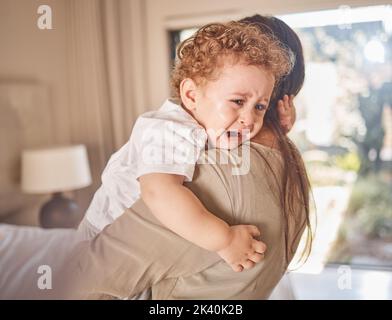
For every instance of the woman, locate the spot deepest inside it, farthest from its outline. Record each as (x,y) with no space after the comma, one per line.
(295,182)
(176,270)
(135,252)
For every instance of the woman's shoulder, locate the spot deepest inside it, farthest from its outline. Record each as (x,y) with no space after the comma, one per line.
(266,157)
(265,150)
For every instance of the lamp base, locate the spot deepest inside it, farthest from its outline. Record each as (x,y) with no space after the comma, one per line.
(59,212)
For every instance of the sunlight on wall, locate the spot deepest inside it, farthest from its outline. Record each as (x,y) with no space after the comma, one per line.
(320,98)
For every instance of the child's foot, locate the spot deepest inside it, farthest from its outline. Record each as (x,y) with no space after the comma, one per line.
(286,112)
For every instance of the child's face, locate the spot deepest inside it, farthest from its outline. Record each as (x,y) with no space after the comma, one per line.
(232,107)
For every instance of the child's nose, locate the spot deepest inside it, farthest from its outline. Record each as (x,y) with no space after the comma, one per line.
(247,121)
(247,124)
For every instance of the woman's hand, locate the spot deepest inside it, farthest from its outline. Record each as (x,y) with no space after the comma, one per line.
(286,112)
(243,250)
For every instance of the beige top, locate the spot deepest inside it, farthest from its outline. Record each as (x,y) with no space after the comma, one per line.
(136,252)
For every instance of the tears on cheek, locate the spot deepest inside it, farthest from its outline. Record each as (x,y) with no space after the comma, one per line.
(225,115)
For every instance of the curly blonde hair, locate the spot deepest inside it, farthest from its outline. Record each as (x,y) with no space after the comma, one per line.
(200,56)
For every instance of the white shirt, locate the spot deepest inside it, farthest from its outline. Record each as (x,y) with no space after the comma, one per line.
(168,140)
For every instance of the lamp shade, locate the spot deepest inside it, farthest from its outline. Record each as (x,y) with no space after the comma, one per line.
(55,169)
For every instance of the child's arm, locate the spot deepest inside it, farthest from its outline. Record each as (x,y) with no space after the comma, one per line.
(182,212)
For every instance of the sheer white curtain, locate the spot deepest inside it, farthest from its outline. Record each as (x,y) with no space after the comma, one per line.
(105,43)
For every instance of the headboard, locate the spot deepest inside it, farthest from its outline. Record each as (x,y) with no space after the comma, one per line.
(25,122)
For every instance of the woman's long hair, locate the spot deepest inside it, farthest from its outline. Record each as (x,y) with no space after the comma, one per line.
(295,184)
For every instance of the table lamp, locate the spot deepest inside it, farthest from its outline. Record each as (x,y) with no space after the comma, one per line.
(55,170)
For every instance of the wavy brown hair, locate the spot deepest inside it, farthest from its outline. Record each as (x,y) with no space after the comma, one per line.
(200,57)
(295,182)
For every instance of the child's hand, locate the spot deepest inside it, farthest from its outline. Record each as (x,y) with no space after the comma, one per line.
(243,251)
(286,112)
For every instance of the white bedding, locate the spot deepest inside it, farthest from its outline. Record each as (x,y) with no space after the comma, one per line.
(23,250)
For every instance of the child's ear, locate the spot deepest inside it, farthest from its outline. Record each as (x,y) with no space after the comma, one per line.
(188,92)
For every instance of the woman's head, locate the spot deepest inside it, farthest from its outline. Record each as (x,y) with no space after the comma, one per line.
(292,83)
(295,184)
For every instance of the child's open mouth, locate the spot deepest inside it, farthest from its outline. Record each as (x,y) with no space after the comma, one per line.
(233,137)
(234,134)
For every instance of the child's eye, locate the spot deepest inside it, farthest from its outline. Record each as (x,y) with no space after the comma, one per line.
(238,102)
(260,107)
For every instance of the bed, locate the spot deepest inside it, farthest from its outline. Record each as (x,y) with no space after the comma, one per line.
(29,257)
(25,122)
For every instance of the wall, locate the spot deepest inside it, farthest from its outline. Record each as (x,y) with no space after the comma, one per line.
(28,53)
(92,64)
